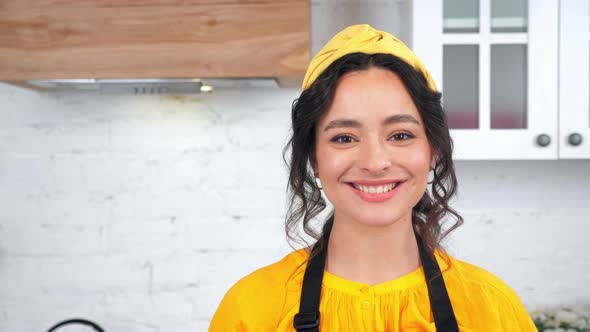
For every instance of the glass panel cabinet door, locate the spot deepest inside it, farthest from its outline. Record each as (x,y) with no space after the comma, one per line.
(509,15)
(495,62)
(460,16)
(461,81)
(508,86)
(574,74)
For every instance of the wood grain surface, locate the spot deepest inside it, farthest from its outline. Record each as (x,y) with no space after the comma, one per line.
(41,39)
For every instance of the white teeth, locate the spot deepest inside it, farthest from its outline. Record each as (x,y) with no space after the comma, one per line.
(376,189)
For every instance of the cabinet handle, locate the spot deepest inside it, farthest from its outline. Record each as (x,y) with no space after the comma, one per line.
(575,139)
(543,140)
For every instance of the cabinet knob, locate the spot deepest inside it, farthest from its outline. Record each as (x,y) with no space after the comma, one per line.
(575,139)
(543,140)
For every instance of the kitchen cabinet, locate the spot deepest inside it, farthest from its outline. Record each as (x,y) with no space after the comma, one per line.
(70,39)
(574,74)
(497,65)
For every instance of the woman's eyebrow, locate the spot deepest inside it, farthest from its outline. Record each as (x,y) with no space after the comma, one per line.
(349,123)
(342,123)
(400,118)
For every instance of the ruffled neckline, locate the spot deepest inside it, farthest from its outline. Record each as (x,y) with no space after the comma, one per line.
(404,282)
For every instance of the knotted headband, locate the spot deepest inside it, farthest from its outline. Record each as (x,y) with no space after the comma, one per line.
(365,39)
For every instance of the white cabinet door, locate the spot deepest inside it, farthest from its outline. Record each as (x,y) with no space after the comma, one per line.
(495,62)
(574,72)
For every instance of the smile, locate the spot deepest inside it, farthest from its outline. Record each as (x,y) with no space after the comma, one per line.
(376,193)
(376,189)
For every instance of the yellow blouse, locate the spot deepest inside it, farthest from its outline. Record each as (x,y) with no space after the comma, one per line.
(268,299)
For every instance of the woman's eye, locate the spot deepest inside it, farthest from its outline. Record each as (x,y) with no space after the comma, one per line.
(401,136)
(342,139)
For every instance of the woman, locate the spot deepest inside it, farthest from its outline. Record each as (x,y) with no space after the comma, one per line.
(369,130)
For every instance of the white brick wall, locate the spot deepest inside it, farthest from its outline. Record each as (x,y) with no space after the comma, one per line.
(140,212)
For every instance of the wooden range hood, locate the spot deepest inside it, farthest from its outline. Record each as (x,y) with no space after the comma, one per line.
(71,39)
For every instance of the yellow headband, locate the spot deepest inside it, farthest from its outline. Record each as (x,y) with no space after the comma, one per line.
(362,38)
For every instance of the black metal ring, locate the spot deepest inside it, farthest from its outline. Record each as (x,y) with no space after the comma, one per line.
(76,321)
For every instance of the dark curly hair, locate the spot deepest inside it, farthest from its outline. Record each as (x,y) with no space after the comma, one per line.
(305,198)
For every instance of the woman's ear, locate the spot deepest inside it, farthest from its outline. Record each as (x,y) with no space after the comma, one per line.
(433,160)
(314,164)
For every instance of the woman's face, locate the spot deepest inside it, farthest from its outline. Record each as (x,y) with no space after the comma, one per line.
(372,154)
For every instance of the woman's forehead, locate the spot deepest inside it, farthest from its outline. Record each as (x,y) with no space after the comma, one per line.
(372,94)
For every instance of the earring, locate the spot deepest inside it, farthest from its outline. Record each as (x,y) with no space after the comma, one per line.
(318,183)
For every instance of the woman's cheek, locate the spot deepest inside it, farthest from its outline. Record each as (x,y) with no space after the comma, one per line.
(331,162)
(420,159)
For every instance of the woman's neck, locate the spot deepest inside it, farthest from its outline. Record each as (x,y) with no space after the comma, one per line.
(372,254)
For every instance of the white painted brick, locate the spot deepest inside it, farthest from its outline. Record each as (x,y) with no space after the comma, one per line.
(20,277)
(175,306)
(73,275)
(55,207)
(167,204)
(176,270)
(144,236)
(51,239)
(157,311)
(41,312)
(263,203)
(242,234)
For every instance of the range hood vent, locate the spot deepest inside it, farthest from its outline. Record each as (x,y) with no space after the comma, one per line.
(149,86)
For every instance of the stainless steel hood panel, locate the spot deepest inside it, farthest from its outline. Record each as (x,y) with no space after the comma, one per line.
(150,86)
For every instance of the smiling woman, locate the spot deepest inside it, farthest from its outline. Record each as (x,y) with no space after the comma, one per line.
(370,127)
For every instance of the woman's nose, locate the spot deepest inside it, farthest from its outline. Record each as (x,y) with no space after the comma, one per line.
(373,157)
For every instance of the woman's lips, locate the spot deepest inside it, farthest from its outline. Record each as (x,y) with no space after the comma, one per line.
(376,197)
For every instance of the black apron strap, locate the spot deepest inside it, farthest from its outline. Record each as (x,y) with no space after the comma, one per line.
(308,318)
(440,303)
